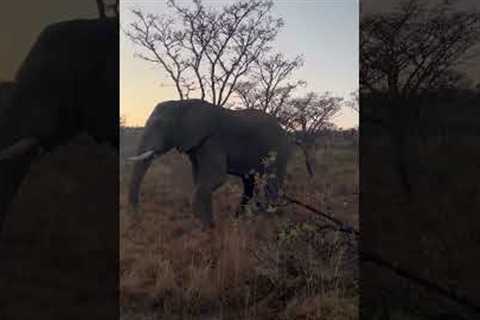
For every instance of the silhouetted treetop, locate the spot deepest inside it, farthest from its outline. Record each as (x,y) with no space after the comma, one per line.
(206,50)
(416,48)
(224,55)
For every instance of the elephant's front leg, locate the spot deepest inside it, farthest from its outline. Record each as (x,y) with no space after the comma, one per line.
(211,173)
(202,205)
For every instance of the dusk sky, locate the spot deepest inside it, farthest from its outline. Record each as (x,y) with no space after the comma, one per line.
(325,32)
(22,21)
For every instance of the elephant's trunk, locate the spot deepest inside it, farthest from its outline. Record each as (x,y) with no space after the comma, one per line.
(139,170)
(152,145)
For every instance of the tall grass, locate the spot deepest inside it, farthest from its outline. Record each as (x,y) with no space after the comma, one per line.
(282,266)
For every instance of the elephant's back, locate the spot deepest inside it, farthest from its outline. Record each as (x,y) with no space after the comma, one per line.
(72,42)
(256,133)
(255,120)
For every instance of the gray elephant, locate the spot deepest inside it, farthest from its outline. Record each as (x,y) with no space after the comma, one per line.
(67,84)
(218,142)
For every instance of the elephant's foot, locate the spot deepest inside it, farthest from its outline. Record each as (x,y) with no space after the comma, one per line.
(271,209)
(257,207)
(239,212)
(248,209)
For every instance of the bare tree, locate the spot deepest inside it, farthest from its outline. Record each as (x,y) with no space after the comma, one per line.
(354,101)
(415,48)
(306,117)
(406,54)
(204,50)
(161,45)
(309,114)
(268,89)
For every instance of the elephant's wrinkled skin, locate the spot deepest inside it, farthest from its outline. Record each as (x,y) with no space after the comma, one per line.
(218,142)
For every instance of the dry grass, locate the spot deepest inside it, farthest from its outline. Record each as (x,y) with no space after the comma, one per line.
(262,267)
(59,242)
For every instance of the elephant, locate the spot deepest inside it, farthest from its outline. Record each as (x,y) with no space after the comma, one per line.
(6,91)
(66,85)
(218,142)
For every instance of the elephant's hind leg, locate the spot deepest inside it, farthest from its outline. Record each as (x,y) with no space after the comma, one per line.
(248,189)
(202,204)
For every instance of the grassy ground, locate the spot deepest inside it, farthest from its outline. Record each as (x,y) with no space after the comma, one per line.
(286,266)
(59,243)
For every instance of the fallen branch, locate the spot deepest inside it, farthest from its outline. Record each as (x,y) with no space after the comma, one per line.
(379,261)
(342,226)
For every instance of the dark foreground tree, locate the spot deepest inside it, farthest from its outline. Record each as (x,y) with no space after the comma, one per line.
(416,48)
(268,88)
(406,55)
(418,158)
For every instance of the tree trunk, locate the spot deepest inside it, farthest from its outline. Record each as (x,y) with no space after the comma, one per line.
(307,158)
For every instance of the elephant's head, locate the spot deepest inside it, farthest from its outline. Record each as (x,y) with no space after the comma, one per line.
(172,124)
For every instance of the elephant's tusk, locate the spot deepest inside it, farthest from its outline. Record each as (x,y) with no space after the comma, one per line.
(144,156)
(19,148)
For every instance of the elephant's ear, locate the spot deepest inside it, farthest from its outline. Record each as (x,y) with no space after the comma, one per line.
(196,123)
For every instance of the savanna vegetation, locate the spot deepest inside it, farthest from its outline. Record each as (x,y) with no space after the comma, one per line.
(288,265)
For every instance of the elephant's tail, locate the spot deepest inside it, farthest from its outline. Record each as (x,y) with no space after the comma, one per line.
(307,157)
